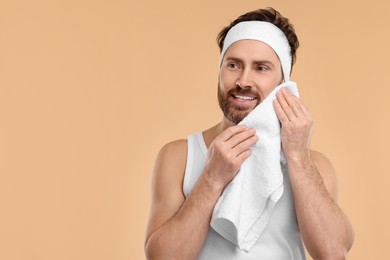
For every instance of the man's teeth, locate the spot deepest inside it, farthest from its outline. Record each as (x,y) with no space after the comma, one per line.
(244,98)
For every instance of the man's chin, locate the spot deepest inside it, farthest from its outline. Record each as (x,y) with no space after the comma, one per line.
(236,118)
(235,114)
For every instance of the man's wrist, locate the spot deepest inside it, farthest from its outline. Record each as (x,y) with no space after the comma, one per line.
(211,185)
(301,160)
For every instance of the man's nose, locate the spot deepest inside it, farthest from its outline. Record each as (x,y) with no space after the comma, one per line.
(245,80)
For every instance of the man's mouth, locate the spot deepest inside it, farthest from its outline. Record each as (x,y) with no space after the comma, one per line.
(244,98)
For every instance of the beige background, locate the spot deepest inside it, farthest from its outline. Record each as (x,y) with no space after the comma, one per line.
(90,90)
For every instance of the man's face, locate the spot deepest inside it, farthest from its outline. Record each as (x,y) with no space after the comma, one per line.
(250,70)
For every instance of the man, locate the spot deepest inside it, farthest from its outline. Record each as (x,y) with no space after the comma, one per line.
(191,175)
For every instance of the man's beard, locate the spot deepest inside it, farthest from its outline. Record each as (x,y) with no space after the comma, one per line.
(234,113)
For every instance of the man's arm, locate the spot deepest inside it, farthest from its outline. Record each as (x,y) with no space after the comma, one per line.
(178,227)
(326,231)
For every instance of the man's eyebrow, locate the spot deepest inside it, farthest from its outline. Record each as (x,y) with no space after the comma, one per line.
(257,62)
(234,59)
(264,62)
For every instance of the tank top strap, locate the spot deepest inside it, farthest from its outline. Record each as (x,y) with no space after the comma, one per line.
(196,160)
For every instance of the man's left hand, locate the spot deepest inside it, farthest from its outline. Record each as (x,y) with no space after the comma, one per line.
(297,125)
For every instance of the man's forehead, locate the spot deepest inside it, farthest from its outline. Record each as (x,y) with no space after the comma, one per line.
(253,50)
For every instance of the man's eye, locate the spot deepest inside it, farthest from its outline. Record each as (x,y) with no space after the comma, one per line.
(262,68)
(232,66)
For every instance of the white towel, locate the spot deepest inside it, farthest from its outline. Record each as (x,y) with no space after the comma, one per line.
(244,208)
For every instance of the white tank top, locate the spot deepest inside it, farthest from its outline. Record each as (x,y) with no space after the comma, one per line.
(280,239)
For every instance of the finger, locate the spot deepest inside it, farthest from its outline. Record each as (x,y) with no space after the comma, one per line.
(285,106)
(229,132)
(298,107)
(245,145)
(280,112)
(305,110)
(240,137)
(294,102)
(243,156)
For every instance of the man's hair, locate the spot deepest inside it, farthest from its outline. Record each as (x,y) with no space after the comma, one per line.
(266,15)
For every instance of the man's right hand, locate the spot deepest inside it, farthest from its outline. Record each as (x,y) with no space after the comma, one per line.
(178,226)
(227,153)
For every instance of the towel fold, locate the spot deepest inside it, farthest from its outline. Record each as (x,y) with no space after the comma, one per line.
(244,208)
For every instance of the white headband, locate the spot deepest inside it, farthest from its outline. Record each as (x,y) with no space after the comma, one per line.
(264,32)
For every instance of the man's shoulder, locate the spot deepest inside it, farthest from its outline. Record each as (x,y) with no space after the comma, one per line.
(174,147)
(174,152)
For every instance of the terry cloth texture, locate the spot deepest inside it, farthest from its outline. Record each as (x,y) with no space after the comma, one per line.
(244,208)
